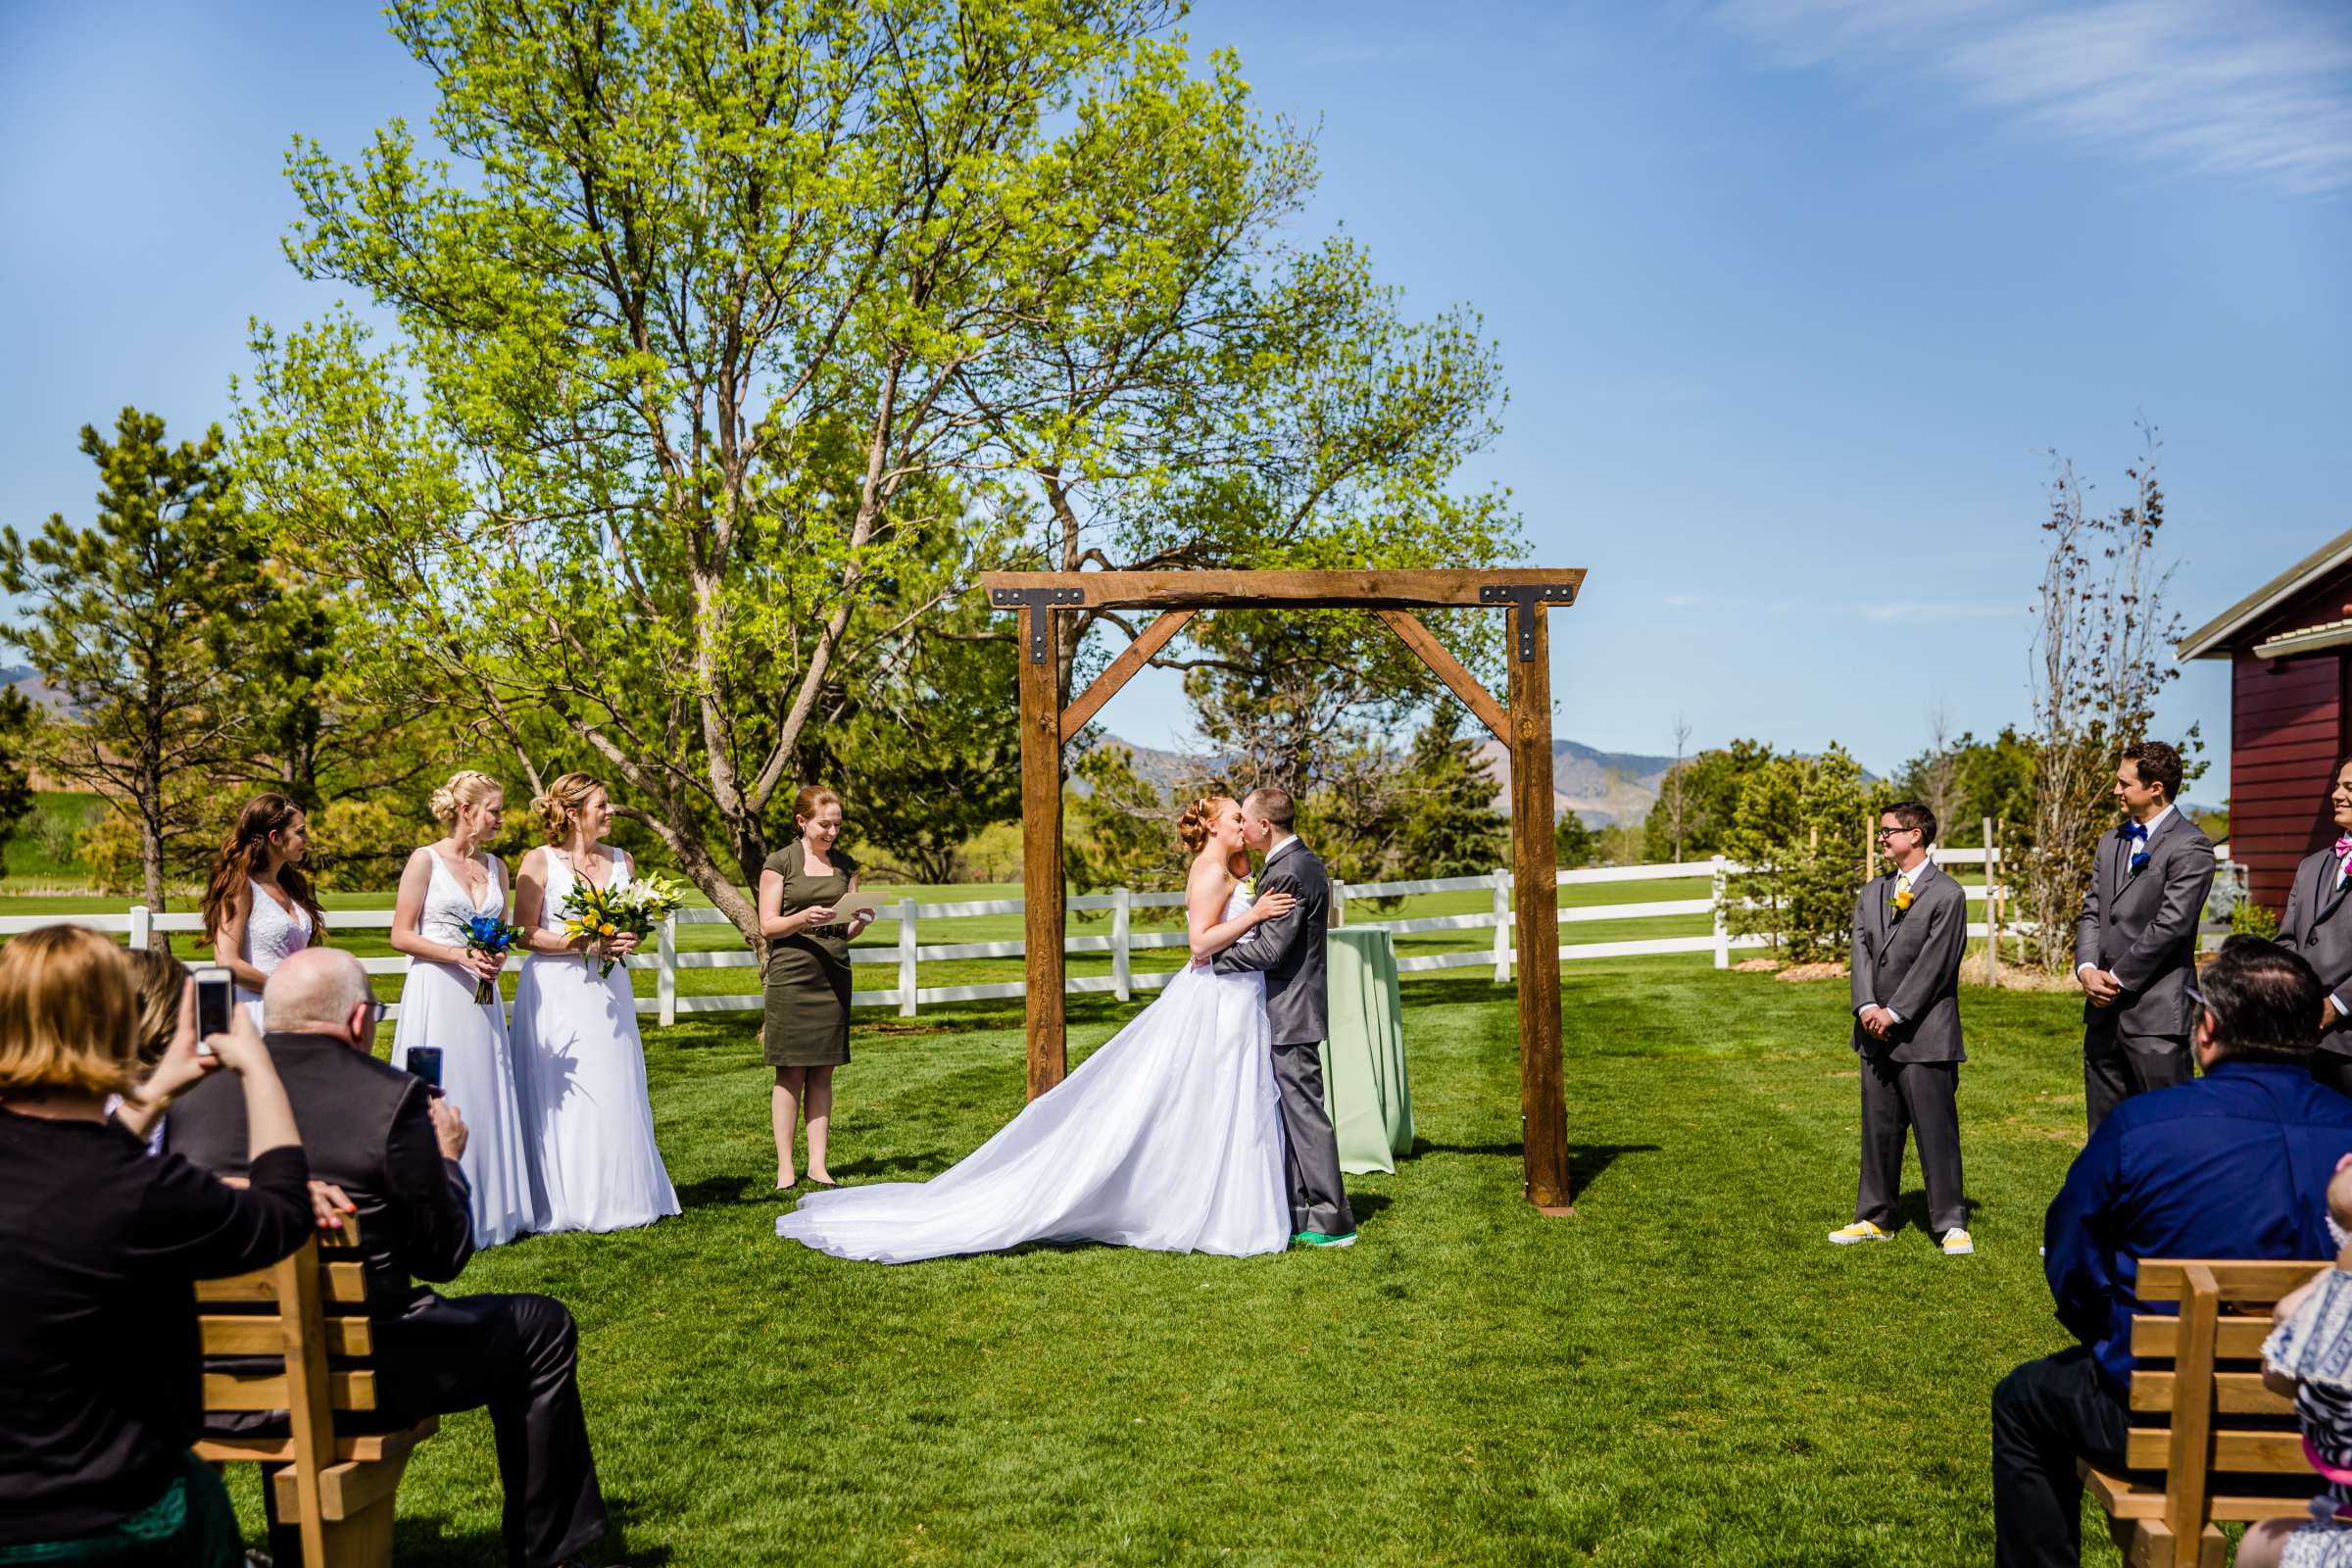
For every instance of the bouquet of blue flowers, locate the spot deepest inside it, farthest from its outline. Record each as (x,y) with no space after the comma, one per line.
(490,933)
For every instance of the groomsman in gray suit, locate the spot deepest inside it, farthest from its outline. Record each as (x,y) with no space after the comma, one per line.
(2318,926)
(1910,930)
(2136,942)
(1289,950)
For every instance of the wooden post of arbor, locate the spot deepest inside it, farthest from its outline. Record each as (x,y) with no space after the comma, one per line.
(1535,866)
(1525,728)
(1040,841)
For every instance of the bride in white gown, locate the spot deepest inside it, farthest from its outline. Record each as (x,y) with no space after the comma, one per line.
(1167,1137)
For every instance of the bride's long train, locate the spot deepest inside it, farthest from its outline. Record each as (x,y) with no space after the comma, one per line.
(1167,1137)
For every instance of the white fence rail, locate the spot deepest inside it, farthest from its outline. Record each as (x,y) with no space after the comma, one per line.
(1122,942)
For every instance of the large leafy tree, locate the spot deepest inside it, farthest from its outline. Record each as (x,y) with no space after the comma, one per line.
(137,621)
(730,339)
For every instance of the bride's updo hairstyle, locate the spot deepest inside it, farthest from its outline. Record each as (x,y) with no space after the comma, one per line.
(558,804)
(1195,824)
(465,787)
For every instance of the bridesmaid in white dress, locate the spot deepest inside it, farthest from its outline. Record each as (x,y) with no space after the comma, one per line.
(578,1054)
(257,904)
(444,884)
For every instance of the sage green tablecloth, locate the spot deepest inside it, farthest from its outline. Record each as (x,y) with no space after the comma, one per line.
(1364,1086)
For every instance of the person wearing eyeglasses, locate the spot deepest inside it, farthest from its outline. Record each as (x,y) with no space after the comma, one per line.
(2230,1164)
(1910,930)
(388,1145)
(2318,925)
(2135,940)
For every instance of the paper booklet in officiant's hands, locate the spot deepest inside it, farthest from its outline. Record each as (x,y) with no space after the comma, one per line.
(850,905)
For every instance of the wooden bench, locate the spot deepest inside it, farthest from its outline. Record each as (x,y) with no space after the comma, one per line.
(2204,1370)
(309,1314)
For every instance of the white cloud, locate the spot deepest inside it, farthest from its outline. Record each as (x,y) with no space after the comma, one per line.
(2258,88)
(1683,600)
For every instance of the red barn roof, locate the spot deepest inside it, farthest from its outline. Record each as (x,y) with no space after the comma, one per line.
(2289,643)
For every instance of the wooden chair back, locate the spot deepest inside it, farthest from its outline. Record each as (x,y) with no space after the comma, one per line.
(2202,1371)
(308,1315)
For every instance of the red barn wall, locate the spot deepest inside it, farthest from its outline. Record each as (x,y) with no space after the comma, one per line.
(2286,735)
(2290,722)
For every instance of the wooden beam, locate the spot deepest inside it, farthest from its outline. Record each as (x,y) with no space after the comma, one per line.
(1150,640)
(1534,862)
(1041,846)
(1321,590)
(1448,668)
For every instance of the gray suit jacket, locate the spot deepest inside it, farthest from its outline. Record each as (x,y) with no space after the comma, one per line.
(1290,949)
(2318,926)
(2143,929)
(1910,964)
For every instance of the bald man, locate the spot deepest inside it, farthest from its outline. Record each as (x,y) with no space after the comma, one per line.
(390,1145)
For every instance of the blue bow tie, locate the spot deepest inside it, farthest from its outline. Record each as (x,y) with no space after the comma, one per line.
(2137,831)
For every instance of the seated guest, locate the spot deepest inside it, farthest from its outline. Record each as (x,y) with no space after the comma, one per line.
(163,983)
(100,1370)
(2225,1165)
(389,1148)
(2308,1358)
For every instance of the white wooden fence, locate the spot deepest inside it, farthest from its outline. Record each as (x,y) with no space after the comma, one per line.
(1122,942)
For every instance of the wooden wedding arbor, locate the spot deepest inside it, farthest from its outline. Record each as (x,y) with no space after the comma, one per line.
(1523,725)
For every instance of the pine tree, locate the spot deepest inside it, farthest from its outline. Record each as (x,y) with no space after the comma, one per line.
(133,620)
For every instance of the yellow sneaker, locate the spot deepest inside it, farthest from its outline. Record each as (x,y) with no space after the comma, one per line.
(1957,1243)
(1860,1229)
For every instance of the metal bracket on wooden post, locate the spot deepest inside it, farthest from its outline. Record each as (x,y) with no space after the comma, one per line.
(1038,600)
(1527,595)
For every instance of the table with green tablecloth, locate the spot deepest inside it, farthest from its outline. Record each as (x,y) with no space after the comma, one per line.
(1364,1087)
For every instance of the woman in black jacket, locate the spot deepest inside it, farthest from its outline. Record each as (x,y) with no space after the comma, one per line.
(100,1364)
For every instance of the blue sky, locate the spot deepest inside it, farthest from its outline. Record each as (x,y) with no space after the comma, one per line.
(1794,296)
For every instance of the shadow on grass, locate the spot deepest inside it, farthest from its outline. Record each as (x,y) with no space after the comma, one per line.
(726,1191)
(897,1167)
(1911,1210)
(429,1540)
(1587,1162)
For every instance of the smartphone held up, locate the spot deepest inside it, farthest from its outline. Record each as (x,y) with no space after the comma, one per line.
(216,1000)
(426,1062)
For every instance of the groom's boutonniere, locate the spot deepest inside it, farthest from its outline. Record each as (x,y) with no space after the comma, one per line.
(1902,902)
(1249,887)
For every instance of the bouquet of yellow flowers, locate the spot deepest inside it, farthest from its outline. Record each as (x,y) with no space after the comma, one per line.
(635,908)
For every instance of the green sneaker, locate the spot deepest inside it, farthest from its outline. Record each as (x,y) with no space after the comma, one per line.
(1318,1239)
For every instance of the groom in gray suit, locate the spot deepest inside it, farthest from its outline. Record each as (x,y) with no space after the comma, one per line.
(1289,951)
(2318,926)
(2136,942)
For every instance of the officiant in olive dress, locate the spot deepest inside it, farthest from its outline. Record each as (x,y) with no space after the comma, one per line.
(806,1034)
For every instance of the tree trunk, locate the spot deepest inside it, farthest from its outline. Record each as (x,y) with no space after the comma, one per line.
(151,856)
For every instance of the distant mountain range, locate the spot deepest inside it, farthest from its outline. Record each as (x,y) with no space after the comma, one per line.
(1602,787)
(39,691)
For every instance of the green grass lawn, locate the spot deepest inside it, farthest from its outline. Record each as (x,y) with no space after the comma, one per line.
(1684,1372)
